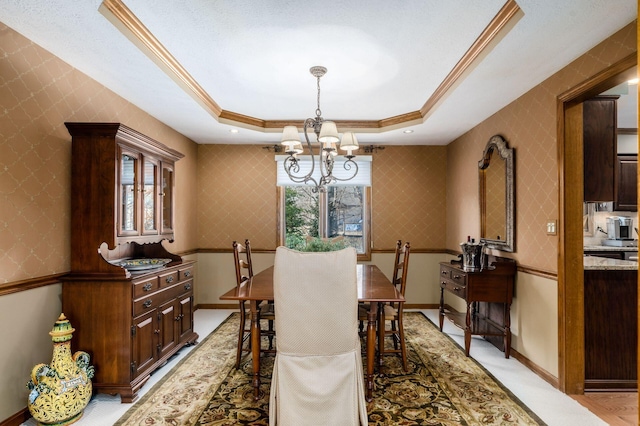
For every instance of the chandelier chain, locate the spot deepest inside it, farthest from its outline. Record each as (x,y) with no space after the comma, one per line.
(318,111)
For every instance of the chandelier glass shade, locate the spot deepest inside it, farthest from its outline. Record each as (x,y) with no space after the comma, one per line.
(326,136)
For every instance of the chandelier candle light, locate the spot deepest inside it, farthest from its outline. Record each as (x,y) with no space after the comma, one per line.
(327,136)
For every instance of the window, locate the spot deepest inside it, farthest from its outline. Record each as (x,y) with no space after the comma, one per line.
(342,211)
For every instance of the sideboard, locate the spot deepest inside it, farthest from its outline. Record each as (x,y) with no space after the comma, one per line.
(487,294)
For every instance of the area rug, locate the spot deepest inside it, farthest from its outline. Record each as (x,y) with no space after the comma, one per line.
(442,387)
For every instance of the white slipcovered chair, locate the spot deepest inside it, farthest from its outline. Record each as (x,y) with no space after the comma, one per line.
(317,375)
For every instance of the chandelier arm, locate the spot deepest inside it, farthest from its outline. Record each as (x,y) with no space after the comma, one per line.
(348,165)
(291,166)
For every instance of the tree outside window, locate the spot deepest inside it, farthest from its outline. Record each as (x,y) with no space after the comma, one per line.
(341,211)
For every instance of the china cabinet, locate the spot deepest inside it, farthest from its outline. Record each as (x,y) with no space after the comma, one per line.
(130,298)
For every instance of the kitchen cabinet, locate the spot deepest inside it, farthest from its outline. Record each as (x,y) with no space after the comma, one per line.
(131,321)
(600,148)
(488,295)
(626,197)
(611,329)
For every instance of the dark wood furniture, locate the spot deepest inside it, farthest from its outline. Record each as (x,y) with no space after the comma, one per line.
(626,197)
(393,312)
(488,295)
(373,287)
(130,322)
(244,272)
(600,147)
(611,329)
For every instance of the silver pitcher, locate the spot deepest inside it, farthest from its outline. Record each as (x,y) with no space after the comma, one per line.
(472,256)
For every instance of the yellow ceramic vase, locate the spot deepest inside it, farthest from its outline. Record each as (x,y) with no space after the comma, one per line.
(60,391)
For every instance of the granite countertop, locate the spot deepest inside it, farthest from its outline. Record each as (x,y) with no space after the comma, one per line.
(606,264)
(610,248)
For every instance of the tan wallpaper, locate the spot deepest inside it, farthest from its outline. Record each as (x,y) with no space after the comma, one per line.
(529,126)
(38,93)
(237,196)
(409,196)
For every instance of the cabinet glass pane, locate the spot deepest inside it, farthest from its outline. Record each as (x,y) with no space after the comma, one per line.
(128,192)
(167,198)
(149,199)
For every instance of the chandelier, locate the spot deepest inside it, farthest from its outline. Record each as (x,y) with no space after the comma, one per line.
(327,137)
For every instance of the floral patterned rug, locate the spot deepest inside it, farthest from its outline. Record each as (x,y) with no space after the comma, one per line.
(442,387)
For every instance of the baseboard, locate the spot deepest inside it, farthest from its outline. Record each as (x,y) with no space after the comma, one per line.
(17,419)
(235,306)
(544,374)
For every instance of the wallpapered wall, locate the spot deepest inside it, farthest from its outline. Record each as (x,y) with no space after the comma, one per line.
(529,125)
(237,196)
(38,93)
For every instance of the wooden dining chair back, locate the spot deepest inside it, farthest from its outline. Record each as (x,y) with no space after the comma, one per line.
(244,272)
(318,376)
(393,312)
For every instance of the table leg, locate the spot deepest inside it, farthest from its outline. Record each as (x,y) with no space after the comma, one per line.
(381,334)
(371,347)
(255,348)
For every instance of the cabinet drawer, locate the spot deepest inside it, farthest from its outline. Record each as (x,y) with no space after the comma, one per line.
(445,273)
(148,303)
(145,287)
(459,277)
(168,279)
(185,273)
(455,288)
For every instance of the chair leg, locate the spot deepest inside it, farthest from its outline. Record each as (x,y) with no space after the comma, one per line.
(394,334)
(270,334)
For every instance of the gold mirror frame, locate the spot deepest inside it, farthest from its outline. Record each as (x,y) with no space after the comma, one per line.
(498,145)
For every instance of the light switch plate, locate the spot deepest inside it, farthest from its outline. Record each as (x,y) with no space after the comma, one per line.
(551,227)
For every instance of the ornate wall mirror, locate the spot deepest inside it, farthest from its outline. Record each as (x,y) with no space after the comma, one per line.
(497,196)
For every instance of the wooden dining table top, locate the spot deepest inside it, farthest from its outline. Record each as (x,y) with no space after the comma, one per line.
(373,286)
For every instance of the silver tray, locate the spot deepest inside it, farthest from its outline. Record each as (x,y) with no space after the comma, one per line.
(143,264)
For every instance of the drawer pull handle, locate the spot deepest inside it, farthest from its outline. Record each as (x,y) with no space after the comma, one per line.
(169,279)
(456,289)
(147,303)
(457,277)
(443,272)
(187,273)
(147,286)
(187,286)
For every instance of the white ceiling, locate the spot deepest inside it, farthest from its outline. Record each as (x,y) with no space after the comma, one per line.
(384,58)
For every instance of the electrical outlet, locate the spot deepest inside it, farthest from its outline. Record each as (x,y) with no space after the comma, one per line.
(551,227)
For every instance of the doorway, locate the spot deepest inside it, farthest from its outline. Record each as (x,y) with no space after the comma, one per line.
(570,251)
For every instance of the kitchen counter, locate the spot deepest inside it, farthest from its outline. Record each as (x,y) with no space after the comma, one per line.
(594,263)
(609,248)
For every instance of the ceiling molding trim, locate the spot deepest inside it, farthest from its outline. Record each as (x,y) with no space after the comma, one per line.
(501,24)
(122,18)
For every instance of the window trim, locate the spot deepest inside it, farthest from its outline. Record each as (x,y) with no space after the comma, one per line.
(366,256)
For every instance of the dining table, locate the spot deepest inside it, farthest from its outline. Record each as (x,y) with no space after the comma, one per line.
(374,288)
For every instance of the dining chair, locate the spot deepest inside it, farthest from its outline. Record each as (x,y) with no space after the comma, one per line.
(244,272)
(393,312)
(318,375)
(364,307)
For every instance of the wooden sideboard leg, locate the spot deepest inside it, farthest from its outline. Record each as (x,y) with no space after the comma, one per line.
(441,316)
(467,330)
